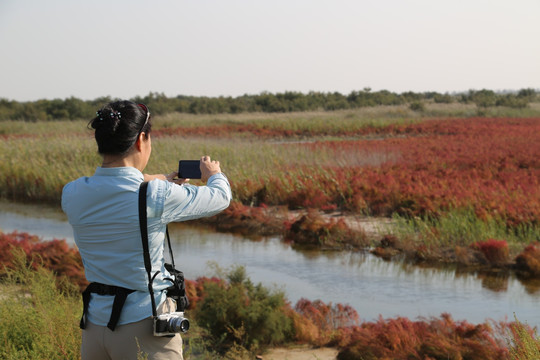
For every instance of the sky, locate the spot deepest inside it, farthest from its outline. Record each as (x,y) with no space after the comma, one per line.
(119,48)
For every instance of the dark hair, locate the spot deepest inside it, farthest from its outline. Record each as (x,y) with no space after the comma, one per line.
(118,125)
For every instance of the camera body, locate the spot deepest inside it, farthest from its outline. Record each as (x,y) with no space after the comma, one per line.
(170,323)
(189,169)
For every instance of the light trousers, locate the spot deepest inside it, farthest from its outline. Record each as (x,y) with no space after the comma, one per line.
(131,341)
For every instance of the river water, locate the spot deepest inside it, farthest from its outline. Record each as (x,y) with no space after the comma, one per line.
(370,285)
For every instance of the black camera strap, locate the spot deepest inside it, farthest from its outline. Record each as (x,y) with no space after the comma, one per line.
(143,223)
(177,289)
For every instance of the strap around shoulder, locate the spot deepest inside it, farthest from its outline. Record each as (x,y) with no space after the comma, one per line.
(143,224)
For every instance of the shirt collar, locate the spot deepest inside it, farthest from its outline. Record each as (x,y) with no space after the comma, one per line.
(127,171)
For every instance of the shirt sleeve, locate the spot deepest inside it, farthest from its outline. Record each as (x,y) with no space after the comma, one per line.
(187,202)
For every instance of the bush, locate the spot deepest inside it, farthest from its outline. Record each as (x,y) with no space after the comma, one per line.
(38,321)
(322,324)
(512,101)
(314,230)
(55,255)
(495,251)
(528,262)
(437,338)
(417,106)
(239,313)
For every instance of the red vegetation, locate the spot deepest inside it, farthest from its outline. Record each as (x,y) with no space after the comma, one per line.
(248,220)
(437,338)
(55,255)
(528,262)
(314,230)
(495,251)
(321,324)
(490,165)
(195,289)
(338,325)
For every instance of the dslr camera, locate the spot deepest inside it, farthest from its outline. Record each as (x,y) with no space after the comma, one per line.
(170,323)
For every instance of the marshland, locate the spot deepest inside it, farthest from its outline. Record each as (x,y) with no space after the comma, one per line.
(438,185)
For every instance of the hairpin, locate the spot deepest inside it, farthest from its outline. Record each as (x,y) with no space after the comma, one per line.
(100,115)
(116,114)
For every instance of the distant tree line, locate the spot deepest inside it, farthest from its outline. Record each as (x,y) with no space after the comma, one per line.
(73,108)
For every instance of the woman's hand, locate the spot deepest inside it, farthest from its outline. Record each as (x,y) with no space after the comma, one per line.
(167,177)
(173,177)
(208,168)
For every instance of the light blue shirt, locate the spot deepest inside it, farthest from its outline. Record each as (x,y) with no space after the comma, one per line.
(103,211)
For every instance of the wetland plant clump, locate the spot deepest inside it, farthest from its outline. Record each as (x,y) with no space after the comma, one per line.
(495,251)
(313,230)
(528,262)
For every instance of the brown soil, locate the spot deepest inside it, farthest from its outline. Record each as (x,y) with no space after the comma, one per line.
(300,353)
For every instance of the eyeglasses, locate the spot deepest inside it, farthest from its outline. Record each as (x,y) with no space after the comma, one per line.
(142,106)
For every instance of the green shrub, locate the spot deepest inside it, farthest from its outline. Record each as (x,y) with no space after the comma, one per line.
(39,319)
(239,313)
(417,106)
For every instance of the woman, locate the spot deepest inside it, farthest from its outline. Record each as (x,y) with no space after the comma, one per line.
(103,211)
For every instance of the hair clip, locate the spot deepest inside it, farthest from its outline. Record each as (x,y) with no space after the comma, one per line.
(116,114)
(100,115)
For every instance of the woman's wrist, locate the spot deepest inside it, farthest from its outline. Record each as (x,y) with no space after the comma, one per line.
(148,177)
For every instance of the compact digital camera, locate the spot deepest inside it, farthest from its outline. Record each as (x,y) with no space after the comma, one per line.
(170,323)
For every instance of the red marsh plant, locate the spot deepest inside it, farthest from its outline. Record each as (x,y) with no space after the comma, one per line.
(315,230)
(528,262)
(450,164)
(55,255)
(322,324)
(249,220)
(495,251)
(436,338)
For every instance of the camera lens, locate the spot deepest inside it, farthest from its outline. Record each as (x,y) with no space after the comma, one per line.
(178,324)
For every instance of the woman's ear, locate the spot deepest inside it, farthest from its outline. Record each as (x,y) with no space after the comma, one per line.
(139,142)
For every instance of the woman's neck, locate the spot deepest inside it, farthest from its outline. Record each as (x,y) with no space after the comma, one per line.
(110,161)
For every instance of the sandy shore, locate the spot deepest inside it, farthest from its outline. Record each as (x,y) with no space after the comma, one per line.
(300,353)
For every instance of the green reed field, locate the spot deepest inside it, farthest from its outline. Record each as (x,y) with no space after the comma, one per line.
(39,158)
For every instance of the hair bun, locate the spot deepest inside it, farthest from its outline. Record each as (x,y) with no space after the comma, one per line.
(107,117)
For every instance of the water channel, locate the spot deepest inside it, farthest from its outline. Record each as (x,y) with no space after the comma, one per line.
(370,285)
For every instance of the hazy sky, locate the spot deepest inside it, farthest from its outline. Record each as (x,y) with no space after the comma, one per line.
(87,49)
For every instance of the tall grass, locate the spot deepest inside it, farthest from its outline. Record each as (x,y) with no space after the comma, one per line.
(53,128)
(525,343)
(38,319)
(461,227)
(37,167)
(322,121)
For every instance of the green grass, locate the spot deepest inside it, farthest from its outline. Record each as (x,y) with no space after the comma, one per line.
(38,320)
(525,343)
(52,128)
(463,228)
(36,168)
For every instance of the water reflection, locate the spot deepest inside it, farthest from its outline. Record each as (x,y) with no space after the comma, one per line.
(371,285)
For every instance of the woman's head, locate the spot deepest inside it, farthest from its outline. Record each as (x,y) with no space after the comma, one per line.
(118,125)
